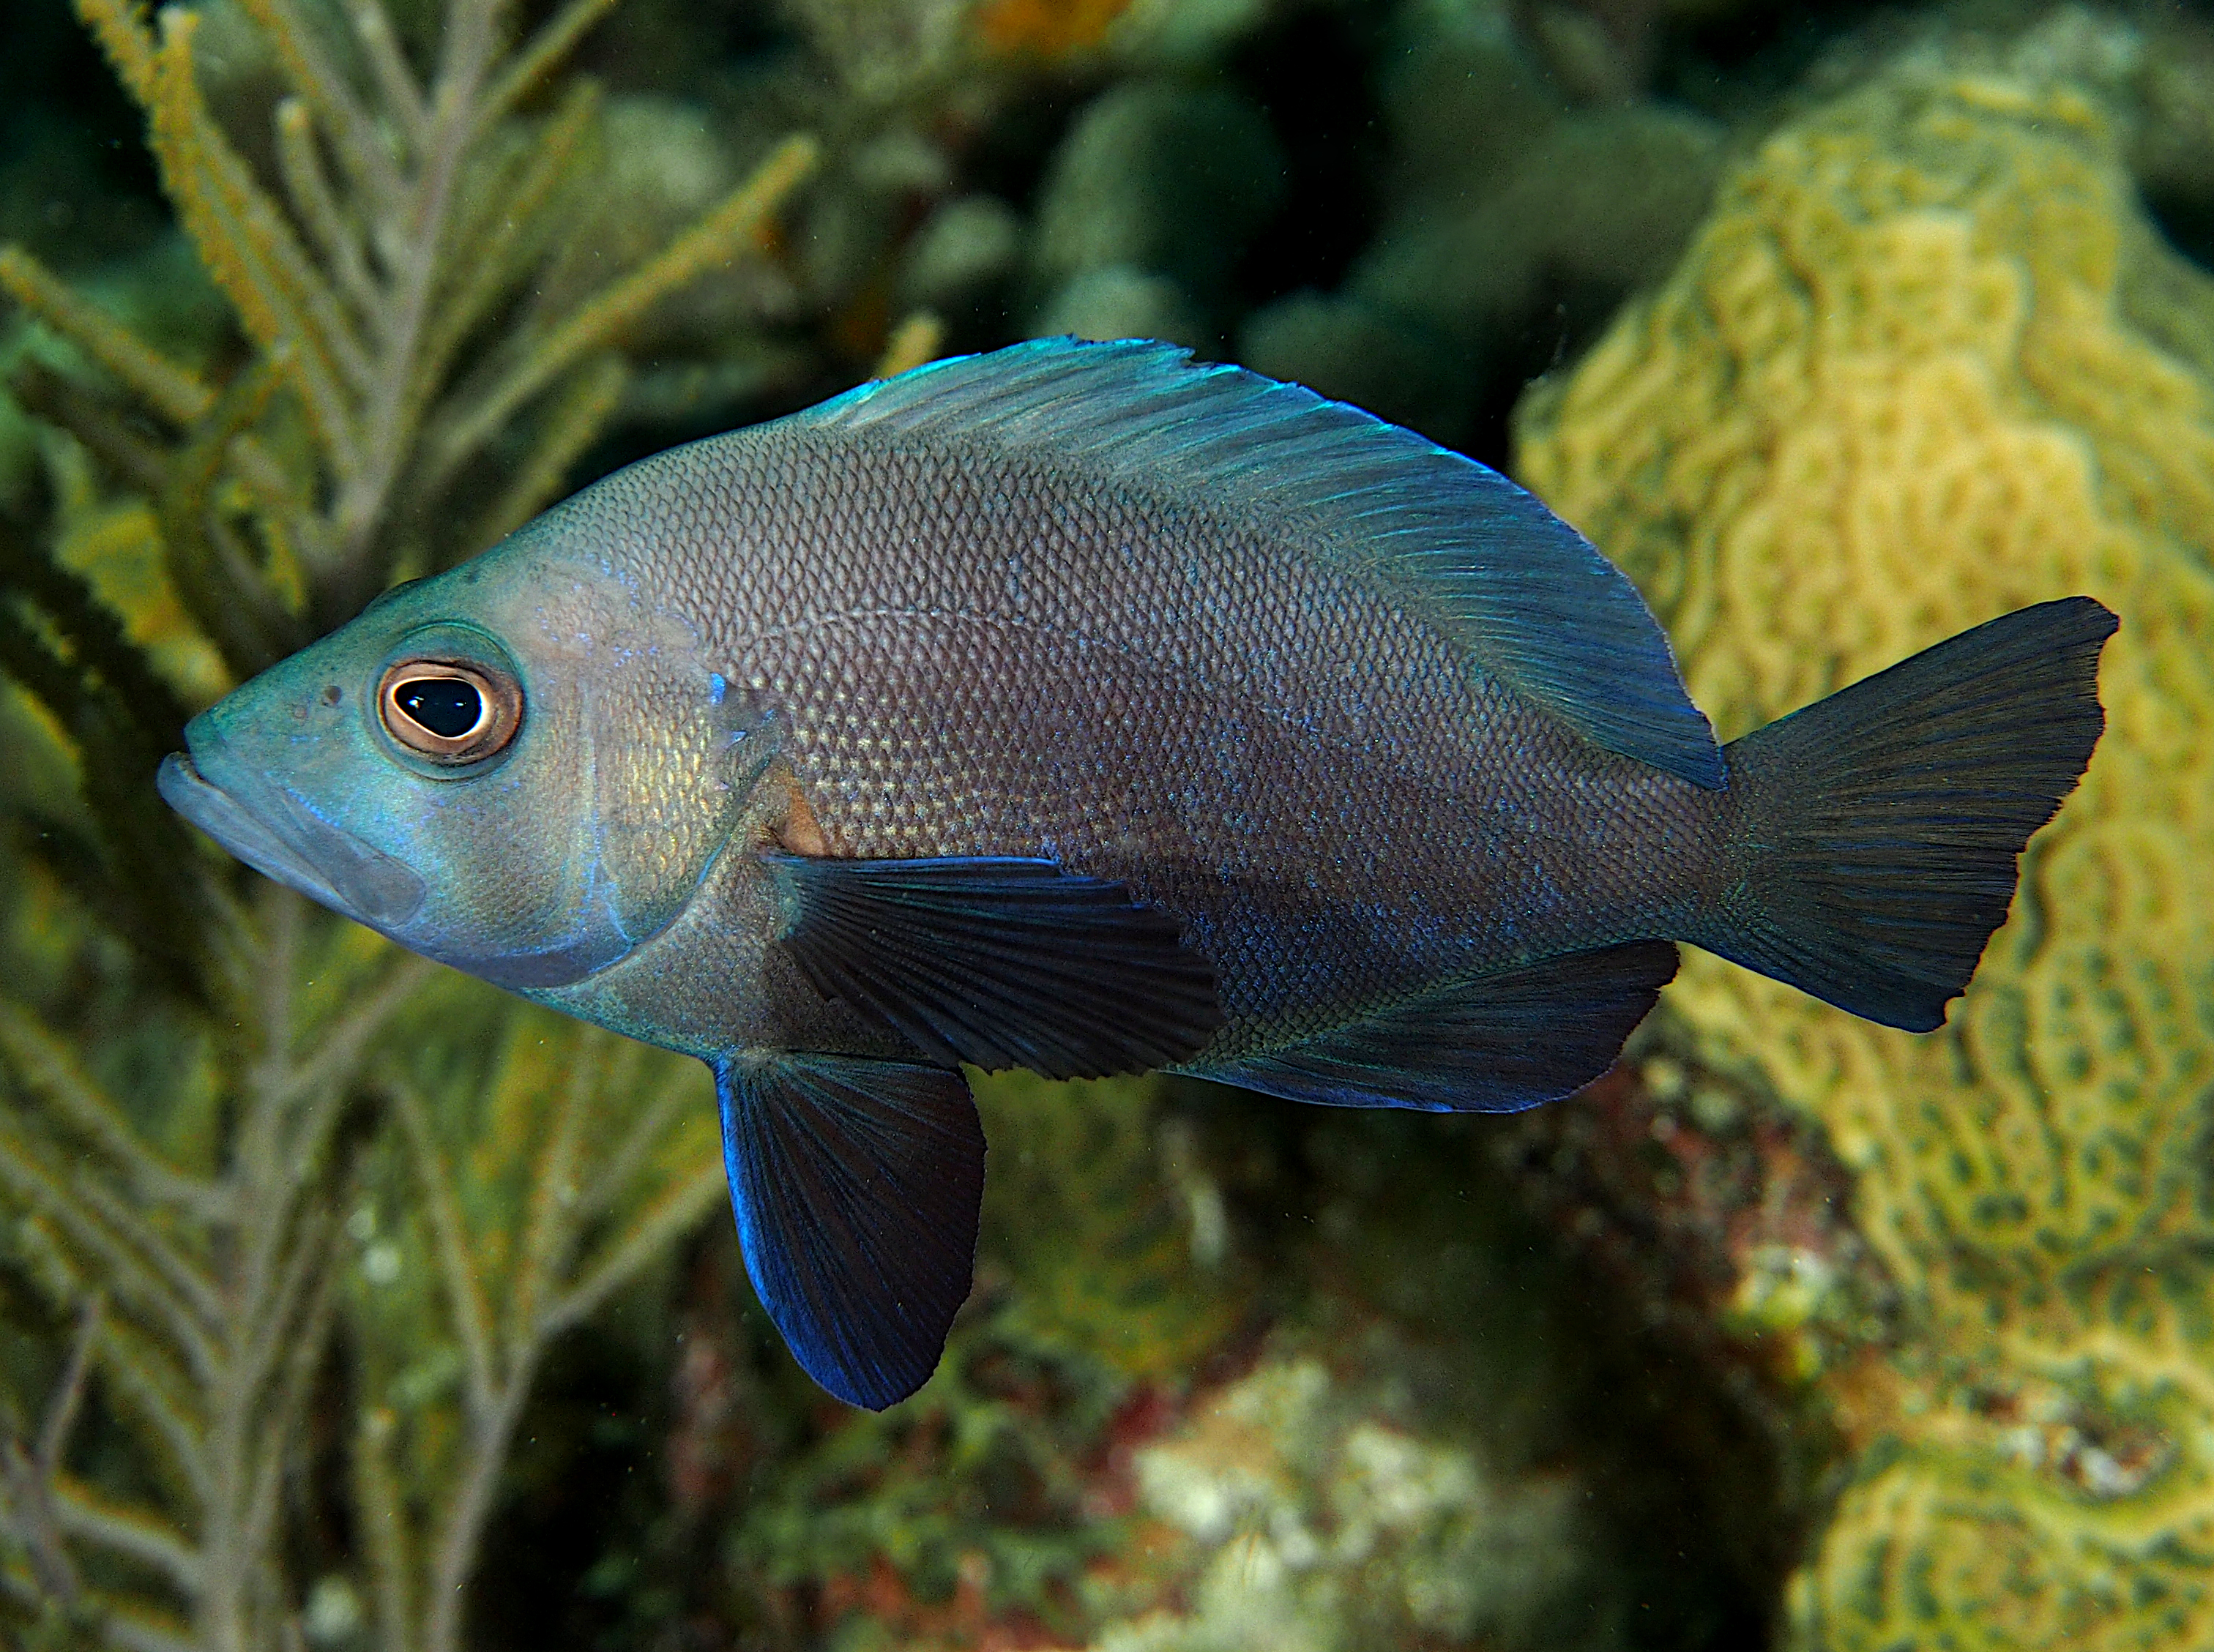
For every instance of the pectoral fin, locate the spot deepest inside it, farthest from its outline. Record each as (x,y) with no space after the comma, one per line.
(857,1185)
(1000,962)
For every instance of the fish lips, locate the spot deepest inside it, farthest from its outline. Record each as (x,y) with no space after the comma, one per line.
(269,827)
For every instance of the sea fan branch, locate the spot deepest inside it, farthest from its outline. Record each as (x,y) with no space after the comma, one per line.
(615,1169)
(29,1175)
(462,1525)
(275,1331)
(535,1277)
(553,42)
(187,1285)
(576,416)
(727,232)
(115,24)
(68,1391)
(360,145)
(28,1477)
(308,187)
(251,252)
(142,1378)
(678,1209)
(129,1633)
(513,211)
(122,1528)
(92,418)
(385,1537)
(51,1071)
(393,403)
(273,1447)
(229,604)
(395,81)
(472,1314)
(548,1221)
(339,1047)
(173,392)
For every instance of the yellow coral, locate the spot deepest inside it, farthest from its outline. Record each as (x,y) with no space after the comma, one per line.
(1927,363)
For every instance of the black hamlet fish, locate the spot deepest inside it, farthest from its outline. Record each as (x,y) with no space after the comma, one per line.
(1078,708)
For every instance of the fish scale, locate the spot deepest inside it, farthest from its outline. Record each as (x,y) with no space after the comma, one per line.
(1080,709)
(1298,720)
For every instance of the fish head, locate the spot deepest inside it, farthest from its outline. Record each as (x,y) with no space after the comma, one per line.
(520,767)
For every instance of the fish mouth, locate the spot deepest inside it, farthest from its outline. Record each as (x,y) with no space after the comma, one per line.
(269,827)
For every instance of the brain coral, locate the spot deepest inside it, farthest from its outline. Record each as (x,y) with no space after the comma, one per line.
(1927,361)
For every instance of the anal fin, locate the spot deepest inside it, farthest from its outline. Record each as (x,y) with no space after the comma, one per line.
(857,1185)
(1495,1043)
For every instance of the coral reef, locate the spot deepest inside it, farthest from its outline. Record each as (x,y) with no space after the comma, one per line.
(1157,173)
(1430,1446)
(1605,196)
(1319,1524)
(2150,69)
(1240,1375)
(967,246)
(1926,361)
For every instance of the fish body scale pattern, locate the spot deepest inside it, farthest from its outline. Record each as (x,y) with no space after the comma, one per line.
(971,653)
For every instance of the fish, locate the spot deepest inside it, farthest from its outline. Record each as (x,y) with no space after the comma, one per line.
(1087,709)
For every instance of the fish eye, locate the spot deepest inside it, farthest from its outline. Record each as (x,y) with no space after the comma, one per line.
(448,711)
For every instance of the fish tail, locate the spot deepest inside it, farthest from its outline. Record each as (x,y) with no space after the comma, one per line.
(1879,830)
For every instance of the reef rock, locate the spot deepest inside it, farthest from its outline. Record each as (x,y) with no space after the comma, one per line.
(1311,1523)
(1926,361)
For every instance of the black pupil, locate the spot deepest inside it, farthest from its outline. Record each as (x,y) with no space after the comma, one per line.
(447,706)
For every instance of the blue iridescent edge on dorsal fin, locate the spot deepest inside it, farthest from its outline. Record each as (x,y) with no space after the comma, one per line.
(1530,599)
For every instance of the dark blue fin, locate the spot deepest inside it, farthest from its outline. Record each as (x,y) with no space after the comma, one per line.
(1000,962)
(1524,593)
(857,1185)
(1879,831)
(1494,1044)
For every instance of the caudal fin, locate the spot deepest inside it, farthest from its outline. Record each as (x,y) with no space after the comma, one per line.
(1881,827)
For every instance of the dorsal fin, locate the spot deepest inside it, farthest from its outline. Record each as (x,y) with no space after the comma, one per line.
(1529,597)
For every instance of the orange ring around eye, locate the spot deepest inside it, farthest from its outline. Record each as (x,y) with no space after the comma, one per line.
(498,708)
